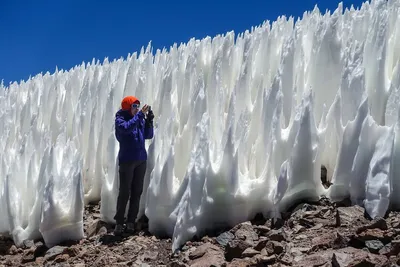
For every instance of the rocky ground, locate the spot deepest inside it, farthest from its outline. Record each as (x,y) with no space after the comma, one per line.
(317,234)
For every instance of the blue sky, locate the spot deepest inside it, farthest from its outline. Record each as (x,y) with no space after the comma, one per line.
(37,36)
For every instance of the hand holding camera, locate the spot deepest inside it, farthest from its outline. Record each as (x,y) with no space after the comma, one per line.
(150,114)
(145,108)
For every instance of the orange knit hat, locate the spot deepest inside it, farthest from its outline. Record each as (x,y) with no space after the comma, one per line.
(128,101)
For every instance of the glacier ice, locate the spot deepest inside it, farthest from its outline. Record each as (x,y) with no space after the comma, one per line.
(243,125)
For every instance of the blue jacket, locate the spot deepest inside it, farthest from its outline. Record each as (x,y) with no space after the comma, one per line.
(131,133)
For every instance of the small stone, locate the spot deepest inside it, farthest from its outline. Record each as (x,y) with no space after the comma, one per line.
(176,263)
(224,238)
(250,252)
(261,259)
(72,251)
(262,229)
(348,215)
(39,244)
(261,243)
(277,223)
(149,255)
(235,248)
(371,234)
(199,252)
(277,235)
(390,249)
(299,237)
(297,251)
(39,261)
(298,228)
(102,231)
(53,253)
(28,243)
(13,250)
(377,223)
(274,247)
(61,258)
(247,233)
(374,245)
(28,257)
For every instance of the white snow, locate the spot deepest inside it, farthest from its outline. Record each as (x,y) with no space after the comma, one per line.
(243,124)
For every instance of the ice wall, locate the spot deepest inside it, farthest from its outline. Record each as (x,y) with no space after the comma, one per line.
(243,124)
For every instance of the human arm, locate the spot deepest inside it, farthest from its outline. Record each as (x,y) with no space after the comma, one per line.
(127,127)
(148,128)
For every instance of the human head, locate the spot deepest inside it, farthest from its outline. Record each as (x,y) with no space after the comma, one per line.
(127,104)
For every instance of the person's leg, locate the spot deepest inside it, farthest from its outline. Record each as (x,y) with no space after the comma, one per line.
(136,191)
(126,171)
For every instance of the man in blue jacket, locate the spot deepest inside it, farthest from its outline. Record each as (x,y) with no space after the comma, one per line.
(132,126)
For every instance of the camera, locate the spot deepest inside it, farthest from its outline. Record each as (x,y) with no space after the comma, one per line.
(149,108)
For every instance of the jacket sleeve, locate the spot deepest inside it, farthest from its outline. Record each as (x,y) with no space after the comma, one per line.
(127,127)
(148,130)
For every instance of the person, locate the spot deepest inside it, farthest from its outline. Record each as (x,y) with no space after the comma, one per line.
(132,127)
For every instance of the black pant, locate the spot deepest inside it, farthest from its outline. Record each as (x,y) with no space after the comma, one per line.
(131,176)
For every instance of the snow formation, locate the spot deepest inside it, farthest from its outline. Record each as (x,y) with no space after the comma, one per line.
(243,125)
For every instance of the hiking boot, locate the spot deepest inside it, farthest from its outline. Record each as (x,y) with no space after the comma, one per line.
(119,229)
(130,227)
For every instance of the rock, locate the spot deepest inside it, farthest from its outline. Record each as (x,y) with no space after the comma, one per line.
(39,261)
(378,223)
(176,263)
(277,223)
(298,229)
(249,252)
(297,251)
(263,260)
(374,245)
(262,229)
(28,243)
(61,258)
(246,233)
(235,248)
(337,262)
(213,256)
(274,247)
(102,231)
(40,250)
(224,238)
(390,249)
(316,259)
(53,253)
(355,257)
(239,263)
(28,256)
(277,235)
(200,251)
(349,215)
(323,241)
(13,250)
(304,207)
(286,259)
(148,255)
(348,256)
(261,243)
(94,228)
(72,251)
(371,234)
(39,244)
